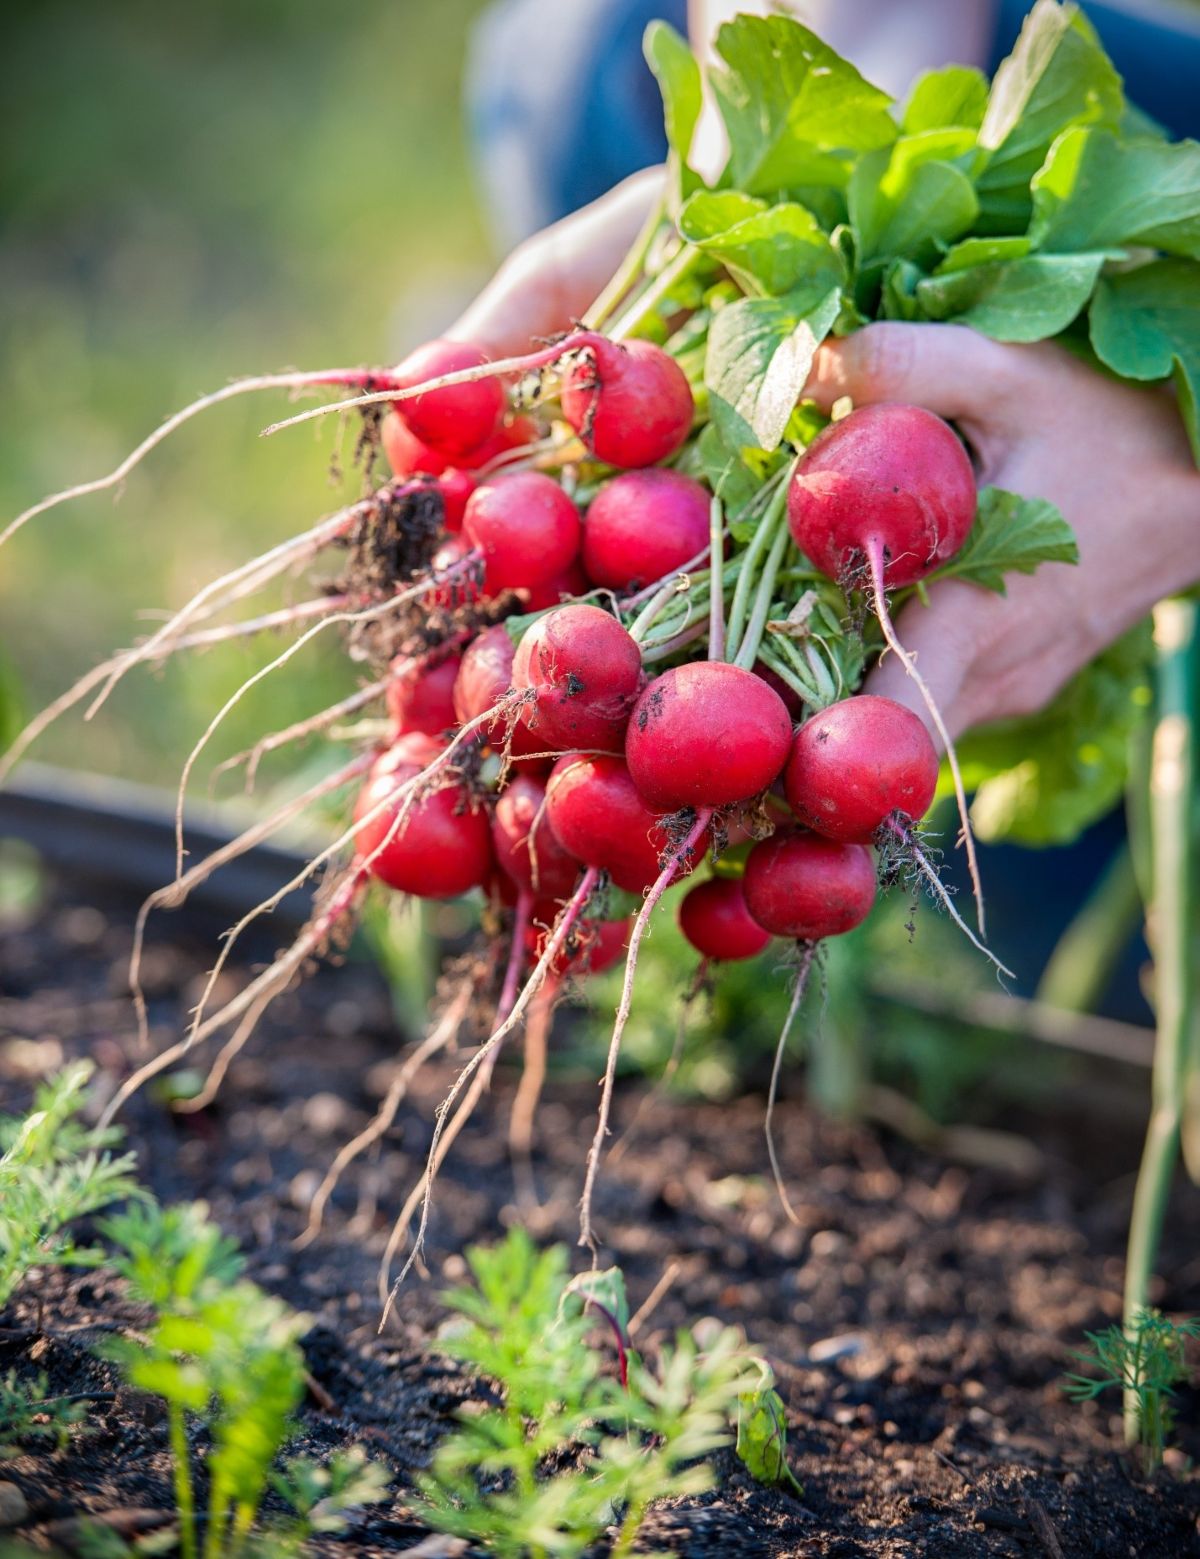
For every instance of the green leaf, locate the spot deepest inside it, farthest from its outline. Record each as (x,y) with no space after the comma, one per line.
(981,251)
(678,76)
(726,473)
(1096,192)
(1014,300)
(1044,779)
(679,80)
(1145,324)
(794,110)
(773,249)
(760,352)
(955,95)
(762,1439)
(1057,76)
(1011,535)
(605,1288)
(907,199)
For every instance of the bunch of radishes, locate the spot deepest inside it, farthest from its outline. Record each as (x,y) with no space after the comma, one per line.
(706,751)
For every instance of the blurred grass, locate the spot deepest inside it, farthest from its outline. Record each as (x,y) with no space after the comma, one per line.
(188,194)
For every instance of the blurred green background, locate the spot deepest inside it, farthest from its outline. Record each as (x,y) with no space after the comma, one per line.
(189,194)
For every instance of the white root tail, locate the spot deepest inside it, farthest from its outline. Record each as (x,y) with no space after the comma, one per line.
(808,952)
(284,381)
(441,1035)
(542,969)
(875,562)
(678,855)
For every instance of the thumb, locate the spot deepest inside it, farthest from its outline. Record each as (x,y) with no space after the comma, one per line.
(948,369)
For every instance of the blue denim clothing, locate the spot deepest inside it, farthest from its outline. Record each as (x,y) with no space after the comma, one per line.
(562,105)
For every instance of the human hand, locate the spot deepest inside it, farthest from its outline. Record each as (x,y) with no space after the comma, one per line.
(551,279)
(1112,456)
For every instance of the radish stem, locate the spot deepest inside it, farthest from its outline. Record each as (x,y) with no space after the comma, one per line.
(1172,910)
(716,603)
(759,544)
(747,652)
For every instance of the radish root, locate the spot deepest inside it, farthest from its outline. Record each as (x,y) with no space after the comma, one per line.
(678,855)
(808,951)
(875,562)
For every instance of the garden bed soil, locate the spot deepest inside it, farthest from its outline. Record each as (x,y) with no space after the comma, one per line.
(919,1317)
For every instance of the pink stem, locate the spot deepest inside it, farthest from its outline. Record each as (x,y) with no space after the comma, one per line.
(516,956)
(625,602)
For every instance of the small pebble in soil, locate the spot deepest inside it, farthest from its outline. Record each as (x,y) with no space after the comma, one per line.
(845,1346)
(14,1507)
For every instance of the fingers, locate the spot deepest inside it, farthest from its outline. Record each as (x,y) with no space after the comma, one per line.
(948,369)
(943,639)
(552,278)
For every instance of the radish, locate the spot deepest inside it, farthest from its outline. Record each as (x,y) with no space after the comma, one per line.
(552,592)
(461,585)
(484,677)
(799,885)
(714,918)
(405,452)
(420,697)
(642,526)
(857,763)
(630,402)
(891,487)
(792,701)
(706,734)
(598,945)
(441,848)
(585,670)
(598,817)
(888,485)
(526,528)
(525,844)
(455,420)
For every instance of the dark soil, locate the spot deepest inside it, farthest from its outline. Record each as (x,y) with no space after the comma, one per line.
(919,1318)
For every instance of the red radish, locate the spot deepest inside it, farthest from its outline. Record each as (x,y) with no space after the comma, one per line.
(405,452)
(513,433)
(802,886)
(552,592)
(526,527)
(643,525)
(525,844)
(630,402)
(792,701)
(457,419)
(714,918)
(889,479)
(455,487)
(464,587)
(599,818)
(585,670)
(889,486)
(420,697)
(444,845)
(599,944)
(484,676)
(858,763)
(706,734)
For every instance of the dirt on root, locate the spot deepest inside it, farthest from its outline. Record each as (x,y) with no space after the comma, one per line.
(919,1318)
